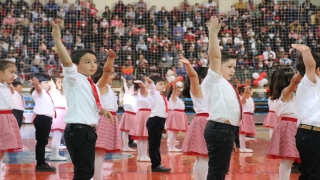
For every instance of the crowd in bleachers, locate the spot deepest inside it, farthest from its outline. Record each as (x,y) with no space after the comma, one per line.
(147,40)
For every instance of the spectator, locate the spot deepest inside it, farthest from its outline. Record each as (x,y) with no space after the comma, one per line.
(77,6)
(127,70)
(208,4)
(120,29)
(116,21)
(107,13)
(204,60)
(51,9)
(119,9)
(141,6)
(93,10)
(9,20)
(78,44)
(187,24)
(142,64)
(268,53)
(68,39)
(285,61)
(37,4)
(163,13)
(61,13)
(21,4)
(130,14)
(102,55)
(181,70)
(65,6)
(189,36)
(141,46)
(240,6)
(233,12)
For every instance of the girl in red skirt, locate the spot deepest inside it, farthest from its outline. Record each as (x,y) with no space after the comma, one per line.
(109,140)
(10,137)
(283,143)
(140,132)
(194,142)
(247,125)
(271,119)
(128,99)
(57,126)
(177,119)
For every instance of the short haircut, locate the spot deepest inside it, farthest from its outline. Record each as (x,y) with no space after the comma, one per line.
(4,64)
(16,83)
(300,66)
(156,79)
(42,77)
(226,57)
(76,55)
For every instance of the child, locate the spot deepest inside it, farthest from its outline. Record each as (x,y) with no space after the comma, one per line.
(223,103)
(129,101)
(109,139)
(194,143)
(10,137)
(307,104)
(271,119)
(140,132)
(247,127)
(84,106)
(19,104)
(58,125)
(177,119)
(156,121)
(45,112)
(282,143)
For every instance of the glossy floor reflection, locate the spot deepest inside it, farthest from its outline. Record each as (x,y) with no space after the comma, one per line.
(248,166)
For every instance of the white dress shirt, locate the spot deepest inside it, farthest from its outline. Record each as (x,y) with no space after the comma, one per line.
(18,100)
(223,103)
(307,102)
(6,101)
(158,105)
(82,107)
(43,103)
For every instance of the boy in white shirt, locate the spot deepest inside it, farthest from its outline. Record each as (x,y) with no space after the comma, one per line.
(156,121)
(224,106)
(44,110)
(307,103)
(19,104)
(84,106)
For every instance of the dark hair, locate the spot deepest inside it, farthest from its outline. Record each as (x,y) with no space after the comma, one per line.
(4,64)
(300,66)
(170,92)
(54,79)
(226,57)
(202,73)
(156,79)
(16,83)
(31,90)
(42,77)
(97,75)
(280,79)
(76,55)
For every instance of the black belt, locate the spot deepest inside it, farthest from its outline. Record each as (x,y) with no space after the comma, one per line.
(219,125)
(80,126)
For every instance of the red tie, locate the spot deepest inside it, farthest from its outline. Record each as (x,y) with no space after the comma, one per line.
(55,114)
(238,96)
(24,104)
(165,101)
(95,93)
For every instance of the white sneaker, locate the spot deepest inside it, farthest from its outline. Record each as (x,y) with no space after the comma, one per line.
(58,158)
(145,159)
(246,150)
(62,147)
(48,150)
(174,150)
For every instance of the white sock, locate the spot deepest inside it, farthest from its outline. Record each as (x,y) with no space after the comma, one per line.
(169,133)
(139,149)
(285,169)
(1,161)
(242,140)
(201,168)
(55,143)
(143,149)
(125,140)
(172,139)
(270,132)
(98,164)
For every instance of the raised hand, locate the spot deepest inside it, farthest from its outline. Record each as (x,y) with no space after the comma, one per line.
(296,78)
(122,78)
(55,33)
(248,82)
(183,60)
(236,80)
(35,81)
(214,25)
(110,53)
(300,47)
(148,80)
(138,82)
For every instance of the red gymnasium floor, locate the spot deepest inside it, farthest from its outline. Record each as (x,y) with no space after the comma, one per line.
(244,166)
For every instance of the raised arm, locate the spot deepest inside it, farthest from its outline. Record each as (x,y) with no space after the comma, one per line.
(308,60)
(125,85)
(246,93)
(143,88)
(195,87)
(107,69)
(287,92)
(214,49)
(152,88)
(174,90)
(61,49)
(36,84)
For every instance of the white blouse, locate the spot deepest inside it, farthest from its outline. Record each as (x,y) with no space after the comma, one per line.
(109,100)
(179,104)
(130,103)
(6,102)
(200,105)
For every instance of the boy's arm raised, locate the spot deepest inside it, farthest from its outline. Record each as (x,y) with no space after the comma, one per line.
(214,49)
(61,49)
(308,60)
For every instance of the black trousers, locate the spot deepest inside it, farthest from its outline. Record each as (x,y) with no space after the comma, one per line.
(308,145)
(81,144)
(42,125)
(19,116)
(220,140)
(155,126)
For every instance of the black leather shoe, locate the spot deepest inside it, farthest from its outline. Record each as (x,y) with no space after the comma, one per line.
(132,145)
(45,168)
(161,168)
